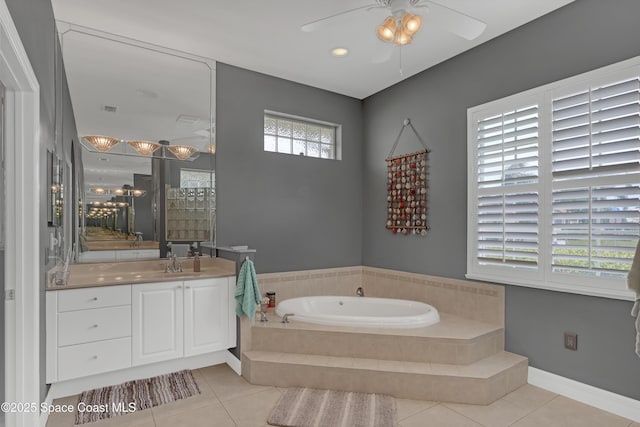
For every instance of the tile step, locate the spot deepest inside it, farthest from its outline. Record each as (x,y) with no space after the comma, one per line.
(454,340)
(480,383)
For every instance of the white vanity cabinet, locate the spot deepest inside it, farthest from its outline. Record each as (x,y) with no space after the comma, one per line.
(207,324)
(176,319)
(88,331)
(108,328)
(157,322)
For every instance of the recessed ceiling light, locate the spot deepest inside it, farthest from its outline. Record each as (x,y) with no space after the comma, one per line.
(340,51)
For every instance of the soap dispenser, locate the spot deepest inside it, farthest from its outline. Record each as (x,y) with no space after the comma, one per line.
(196,263)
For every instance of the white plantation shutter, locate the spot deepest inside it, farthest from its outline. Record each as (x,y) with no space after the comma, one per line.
(507,202)
(595,163)
(554,184)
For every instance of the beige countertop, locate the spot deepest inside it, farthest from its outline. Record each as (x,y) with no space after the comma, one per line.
(109,245)
(87,275)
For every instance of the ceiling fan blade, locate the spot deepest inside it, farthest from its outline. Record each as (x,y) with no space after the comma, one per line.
(457,22)
(383,55)
(319,23)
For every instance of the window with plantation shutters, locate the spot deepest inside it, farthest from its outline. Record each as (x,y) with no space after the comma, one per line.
(595,164)
(507,202)
(554,184)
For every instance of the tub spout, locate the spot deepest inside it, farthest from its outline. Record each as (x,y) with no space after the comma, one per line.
(360,292)
(285,318)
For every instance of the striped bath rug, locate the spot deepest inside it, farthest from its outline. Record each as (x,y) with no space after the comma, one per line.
(132,396)
(307,407)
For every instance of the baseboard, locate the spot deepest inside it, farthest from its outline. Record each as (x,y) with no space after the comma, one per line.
(593,396)
(234,363)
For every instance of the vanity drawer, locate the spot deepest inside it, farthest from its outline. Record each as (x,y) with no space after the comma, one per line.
(81,360)
(97,297)
(83,326)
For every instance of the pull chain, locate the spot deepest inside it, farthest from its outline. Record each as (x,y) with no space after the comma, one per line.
(400,61)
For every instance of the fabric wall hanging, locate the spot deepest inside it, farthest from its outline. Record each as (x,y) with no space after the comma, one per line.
(407,189)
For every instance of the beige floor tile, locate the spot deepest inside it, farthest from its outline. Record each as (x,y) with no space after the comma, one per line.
(530,397)
(135,419)
(407,407)
(438,416)
(205,416)
(227,385)
(565,412)
(254,409)
(63,419)
(186,405)
(500,413)
(634,425)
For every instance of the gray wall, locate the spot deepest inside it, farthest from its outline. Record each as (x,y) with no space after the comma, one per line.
(582,36)
(36,27)
(298,212)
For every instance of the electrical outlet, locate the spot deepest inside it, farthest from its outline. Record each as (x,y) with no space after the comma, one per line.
(571,340)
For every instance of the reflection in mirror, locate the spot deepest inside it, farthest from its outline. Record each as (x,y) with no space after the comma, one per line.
(145,119)
(55,194)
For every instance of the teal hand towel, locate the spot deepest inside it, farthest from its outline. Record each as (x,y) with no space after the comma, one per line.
(247,291)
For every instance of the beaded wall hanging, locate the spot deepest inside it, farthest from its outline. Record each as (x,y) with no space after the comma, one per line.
(407,189)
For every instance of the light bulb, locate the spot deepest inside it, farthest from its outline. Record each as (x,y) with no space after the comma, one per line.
(411,23)
(387,30)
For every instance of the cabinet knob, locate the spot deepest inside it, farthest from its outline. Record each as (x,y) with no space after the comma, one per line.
(187,287)
(95,326)
(95,357)
(94,299)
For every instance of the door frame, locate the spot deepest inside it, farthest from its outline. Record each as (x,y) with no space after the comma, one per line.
(22,248)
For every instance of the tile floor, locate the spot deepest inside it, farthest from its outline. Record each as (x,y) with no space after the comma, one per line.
(227,400)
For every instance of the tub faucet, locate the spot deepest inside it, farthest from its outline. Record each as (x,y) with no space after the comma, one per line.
(285,318)
(360,292)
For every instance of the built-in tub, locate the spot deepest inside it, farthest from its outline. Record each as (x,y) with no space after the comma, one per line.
(360,311)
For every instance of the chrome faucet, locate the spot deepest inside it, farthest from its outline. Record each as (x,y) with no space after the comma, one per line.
(360,292)
(285,318)
(173,266)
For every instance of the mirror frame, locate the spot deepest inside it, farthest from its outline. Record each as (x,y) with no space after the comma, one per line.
(78,225)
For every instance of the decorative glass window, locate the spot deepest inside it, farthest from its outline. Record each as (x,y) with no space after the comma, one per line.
(554,184)
(295,135)
(193,178)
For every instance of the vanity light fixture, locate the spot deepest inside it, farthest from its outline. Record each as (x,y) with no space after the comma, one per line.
(101,143)
(118,191)
(212,148)
(99,190)
(145,148)
(182,152)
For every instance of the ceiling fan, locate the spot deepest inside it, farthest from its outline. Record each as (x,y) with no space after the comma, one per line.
(405,20)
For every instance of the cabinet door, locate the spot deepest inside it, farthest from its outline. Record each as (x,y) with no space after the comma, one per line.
(157,322)
(206,314)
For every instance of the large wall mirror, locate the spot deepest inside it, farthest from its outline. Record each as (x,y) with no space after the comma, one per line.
(146,120)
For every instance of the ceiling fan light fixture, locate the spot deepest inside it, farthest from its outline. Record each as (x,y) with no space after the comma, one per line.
(182,152)
(101,143)
(144,148)
(411,23)
(402,38)
(387,30)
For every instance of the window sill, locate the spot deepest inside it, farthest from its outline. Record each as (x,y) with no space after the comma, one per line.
(619,294)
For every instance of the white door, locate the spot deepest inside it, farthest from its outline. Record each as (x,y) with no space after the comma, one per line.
(157,322)
(206,312)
